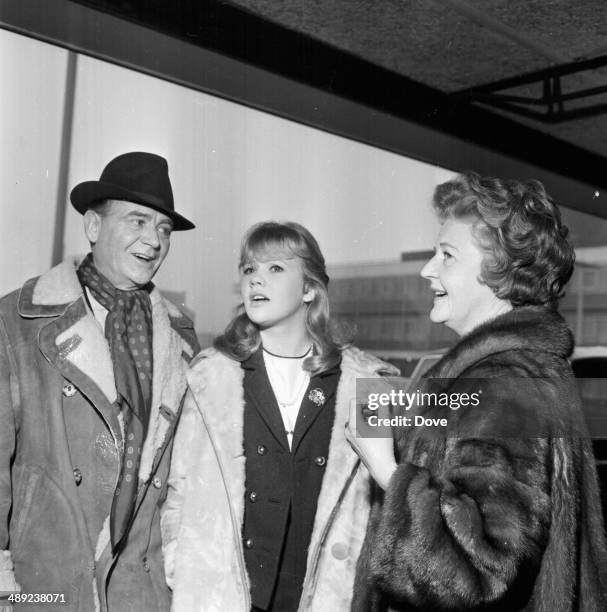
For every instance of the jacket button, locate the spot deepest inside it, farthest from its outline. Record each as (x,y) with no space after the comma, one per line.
(248,543)
(253,496)
(77,476)
(68,389)
(261,450)
(320,461)
(157,482)
(340,551)
(146,565)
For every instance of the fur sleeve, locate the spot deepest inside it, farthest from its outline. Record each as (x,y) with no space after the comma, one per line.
(170,518)
(466,516)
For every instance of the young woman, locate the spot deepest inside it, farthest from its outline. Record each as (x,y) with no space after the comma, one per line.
(500,510)
(268,504)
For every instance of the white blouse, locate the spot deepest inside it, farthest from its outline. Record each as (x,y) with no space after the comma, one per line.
(289,382)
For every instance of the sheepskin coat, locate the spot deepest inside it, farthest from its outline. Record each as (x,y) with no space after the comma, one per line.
(202,518)
(500,511)
(61,443)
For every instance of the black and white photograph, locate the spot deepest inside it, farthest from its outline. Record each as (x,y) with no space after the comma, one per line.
(303,305)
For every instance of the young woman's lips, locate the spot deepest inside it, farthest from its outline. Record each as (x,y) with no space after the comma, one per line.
(258,299)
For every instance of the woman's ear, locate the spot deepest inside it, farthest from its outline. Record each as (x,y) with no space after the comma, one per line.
(309,294)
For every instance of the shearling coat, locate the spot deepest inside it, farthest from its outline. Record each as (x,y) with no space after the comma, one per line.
(501,511)
(203,515)
(60,441)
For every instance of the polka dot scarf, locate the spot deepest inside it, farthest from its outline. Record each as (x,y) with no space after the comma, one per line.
(128,329)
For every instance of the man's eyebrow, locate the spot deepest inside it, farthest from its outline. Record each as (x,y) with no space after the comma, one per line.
(147,216)
(137,213)
(448,244)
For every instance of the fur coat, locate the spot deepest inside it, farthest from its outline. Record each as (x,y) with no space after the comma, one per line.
(203,516)
(500,511)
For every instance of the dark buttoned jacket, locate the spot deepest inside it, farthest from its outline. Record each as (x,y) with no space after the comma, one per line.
(282,484)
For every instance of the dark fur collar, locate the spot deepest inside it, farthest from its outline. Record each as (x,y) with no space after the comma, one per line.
(529,328)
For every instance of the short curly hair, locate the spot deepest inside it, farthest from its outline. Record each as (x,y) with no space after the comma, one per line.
(528,258)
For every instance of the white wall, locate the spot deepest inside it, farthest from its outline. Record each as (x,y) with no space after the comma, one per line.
(32,85)
(230,166)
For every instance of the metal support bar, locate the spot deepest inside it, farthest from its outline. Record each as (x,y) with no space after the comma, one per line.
(64,156)
(529,78)
(552,98)
(575,95)
(546,117)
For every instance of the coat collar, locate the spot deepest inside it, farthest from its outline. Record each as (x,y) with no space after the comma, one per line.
(258,393)
(325,387)
(529,328)
(50,295)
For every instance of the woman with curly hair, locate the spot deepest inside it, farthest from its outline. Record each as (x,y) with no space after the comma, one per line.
(268,504)
(499,509)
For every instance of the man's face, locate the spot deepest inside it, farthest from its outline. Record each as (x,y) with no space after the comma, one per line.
(129,242)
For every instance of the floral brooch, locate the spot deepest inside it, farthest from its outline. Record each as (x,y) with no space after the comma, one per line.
(317,396)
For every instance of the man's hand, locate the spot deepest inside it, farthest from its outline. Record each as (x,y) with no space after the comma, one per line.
(376,453)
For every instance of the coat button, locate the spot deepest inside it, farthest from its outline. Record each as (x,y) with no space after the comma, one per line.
(68,389)
(253,496)
(77,476)
(248,543)
(157,482)
(340,551)
(320,461)
(146,565)
(261,450)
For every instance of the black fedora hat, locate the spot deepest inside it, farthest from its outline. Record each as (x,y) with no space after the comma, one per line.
(138,177)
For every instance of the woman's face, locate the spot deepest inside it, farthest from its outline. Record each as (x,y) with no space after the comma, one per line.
(461,300)
(273,290)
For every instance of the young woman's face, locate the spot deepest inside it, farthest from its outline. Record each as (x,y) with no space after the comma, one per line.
(273,290)
(461,300)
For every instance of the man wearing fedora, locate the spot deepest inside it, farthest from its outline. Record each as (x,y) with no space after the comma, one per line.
(92,362)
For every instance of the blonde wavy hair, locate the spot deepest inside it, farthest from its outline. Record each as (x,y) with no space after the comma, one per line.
(241,337)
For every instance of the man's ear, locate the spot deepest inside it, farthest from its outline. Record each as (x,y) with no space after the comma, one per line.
(92,225)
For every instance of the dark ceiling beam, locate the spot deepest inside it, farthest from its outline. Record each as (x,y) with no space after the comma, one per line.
(240,34)
(219,49)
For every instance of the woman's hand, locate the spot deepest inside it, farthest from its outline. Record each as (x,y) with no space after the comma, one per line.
(376,453)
